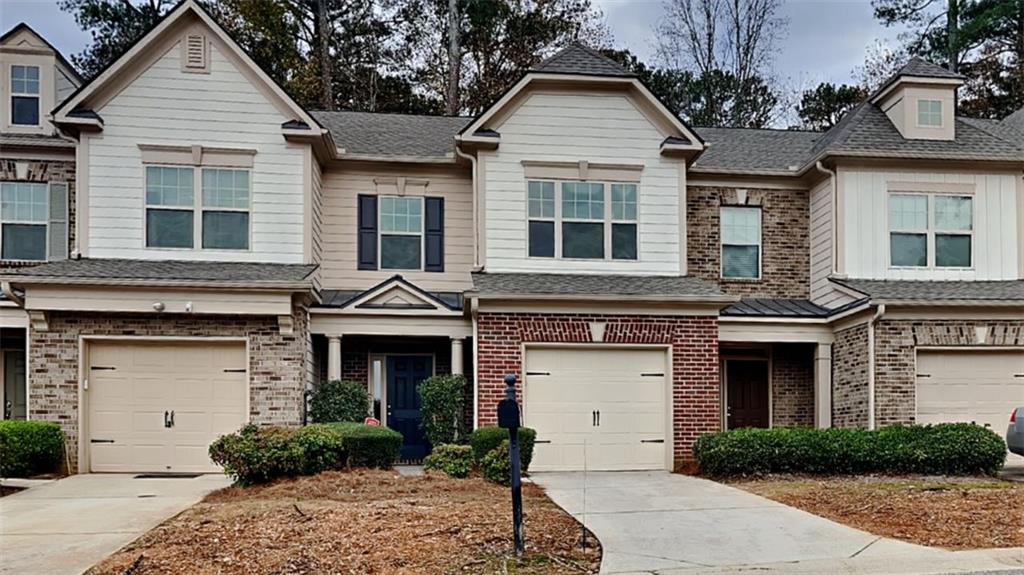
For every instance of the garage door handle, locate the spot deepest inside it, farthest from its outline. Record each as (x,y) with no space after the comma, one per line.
(102,368)
(240,370)
(101,441)
(538,373)
(542,441)
(652,441)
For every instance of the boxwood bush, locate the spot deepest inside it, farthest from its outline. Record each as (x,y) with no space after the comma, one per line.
(453,460)
(442,399)
(496,465)
(30,448)
(369,445)
(943,449)
(484,439)
(339,400)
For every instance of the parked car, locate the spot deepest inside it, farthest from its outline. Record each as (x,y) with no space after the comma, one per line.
(1015,432)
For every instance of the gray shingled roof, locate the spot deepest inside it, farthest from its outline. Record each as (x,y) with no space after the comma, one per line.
(339,298)
(579,59)
(996,292)
(753,149)
(35,141)
(173,271)
(1015,121)
(392,134)
(918,68)
(539,284)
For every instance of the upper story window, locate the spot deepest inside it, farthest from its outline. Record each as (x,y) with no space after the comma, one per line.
(741,242)
(172,207)
(401,233)
(25,95)
(929,113)
(582,220)
(33,221)
(930,230)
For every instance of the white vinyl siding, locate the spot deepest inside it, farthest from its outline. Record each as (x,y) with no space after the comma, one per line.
(865,241)
(823,291)
(221,109)
(597,128)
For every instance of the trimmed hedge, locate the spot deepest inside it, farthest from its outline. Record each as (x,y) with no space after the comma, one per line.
(486,439)
(453,460)
(496,465)
(369,445)
(441,398)
(943,449)
(338,400)
(30,448)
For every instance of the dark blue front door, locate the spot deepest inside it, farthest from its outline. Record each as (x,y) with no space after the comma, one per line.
(405,372)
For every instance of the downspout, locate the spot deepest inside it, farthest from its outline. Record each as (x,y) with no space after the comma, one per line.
(476,204)
(835,213)
(879,312)
(476,370)
(8,290)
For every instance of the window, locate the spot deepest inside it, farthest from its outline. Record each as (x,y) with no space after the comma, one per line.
(25,95)
(572,218)
(170,207)
(929,113)
(741,242)
(930,230)
(34,221)
(401,233)
(225,209)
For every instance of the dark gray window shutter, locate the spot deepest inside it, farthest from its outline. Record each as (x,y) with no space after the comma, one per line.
(367,242)
(434,235)
(58,220)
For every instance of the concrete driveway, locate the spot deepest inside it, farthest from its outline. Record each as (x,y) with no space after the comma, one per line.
(657,522)
(65,527)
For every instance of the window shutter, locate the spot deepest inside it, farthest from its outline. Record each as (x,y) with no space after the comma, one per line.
(58,222)
(367,240)
(434,235)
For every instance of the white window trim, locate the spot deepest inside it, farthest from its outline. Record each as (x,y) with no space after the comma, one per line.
(421,234)
(38,95)
(196,208)
(45,223)
(760,245)
(918,112)
(606,220)
(931,232)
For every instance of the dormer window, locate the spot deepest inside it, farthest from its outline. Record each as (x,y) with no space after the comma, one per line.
(929,113)
(25,95)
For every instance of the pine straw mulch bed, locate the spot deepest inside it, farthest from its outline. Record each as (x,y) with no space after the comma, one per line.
(949,512)
(359,522)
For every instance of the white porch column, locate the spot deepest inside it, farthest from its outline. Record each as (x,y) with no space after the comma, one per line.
(334,357)
(823,385)
(457,358)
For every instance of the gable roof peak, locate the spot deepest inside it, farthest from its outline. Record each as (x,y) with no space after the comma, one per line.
(919,67)
(579,59)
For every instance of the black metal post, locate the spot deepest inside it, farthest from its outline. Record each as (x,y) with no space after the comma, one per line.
(517,484)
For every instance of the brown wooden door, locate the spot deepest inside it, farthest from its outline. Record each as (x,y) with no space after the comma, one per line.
(747,390)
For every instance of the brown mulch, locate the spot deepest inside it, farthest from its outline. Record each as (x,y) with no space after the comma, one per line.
(6,490)
(360,522)
(949,512)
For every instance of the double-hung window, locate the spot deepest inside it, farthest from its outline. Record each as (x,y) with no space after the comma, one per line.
(170,207)
(25,95)
(174,211)
(930,230)
(582,220)
(741,242)
(34,221)
(225,209)
(401,233)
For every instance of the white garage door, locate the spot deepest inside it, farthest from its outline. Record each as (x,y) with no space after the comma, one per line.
(599,409)
(156,407)
(982,387)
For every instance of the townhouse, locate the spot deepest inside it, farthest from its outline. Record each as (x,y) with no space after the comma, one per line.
(646,281)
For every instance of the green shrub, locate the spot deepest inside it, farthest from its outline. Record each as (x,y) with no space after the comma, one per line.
(30,448)
(453,460)
(338,400)
(943,449)
(258,454)
(496,465)
(369,445)
(322,448)
(485,439)
(441,404)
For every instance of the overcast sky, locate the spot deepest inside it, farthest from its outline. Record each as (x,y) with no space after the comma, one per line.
(826,39)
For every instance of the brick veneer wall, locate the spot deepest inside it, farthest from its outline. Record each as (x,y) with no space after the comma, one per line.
(277,363)
(896,342)
(793,385)
(785,240)
(850,377)
(44,171)
(694,341)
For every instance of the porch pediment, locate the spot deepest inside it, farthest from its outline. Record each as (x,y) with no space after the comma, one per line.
(397,295)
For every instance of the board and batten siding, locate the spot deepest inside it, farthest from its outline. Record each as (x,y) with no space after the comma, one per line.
(865,217)
(342,184)
(593,127)
(221,109)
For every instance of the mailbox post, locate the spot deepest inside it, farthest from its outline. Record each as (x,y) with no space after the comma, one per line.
(508,418)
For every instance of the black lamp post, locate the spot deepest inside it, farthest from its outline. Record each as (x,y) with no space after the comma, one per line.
(508,418)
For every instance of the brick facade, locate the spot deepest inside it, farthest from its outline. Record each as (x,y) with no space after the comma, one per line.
(44,171)
(694,341)
(785,240)
(850,377)
(277,363)
(793,385)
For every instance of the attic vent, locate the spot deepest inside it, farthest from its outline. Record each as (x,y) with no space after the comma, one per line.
(194,55)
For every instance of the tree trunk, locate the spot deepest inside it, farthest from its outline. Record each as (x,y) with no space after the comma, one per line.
(324,39)
(952,35)
(454,58)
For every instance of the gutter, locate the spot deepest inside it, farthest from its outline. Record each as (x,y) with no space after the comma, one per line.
(476,209)
(835,213)
(134,282)
(879,312)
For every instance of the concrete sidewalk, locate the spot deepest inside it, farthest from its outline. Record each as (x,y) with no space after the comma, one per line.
(64,527)
(657,522)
